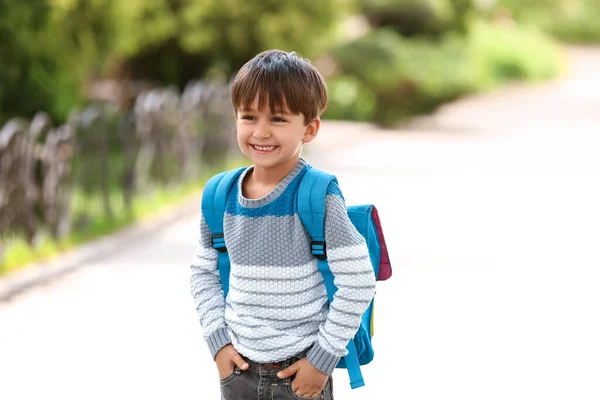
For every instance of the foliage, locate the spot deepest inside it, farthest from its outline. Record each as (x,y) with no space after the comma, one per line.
(502,54)
(579,25)
(407,17)
(51,49)
(418,17)
(405,76)
(24,63)
(574,21)
(350,99)
(216,34)
(395,77)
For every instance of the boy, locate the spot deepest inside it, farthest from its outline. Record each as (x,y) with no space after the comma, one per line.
(276,336)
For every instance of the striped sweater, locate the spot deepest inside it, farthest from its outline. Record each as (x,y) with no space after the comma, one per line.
(277,303)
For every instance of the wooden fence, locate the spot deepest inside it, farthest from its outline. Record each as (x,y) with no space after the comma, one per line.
(56,179)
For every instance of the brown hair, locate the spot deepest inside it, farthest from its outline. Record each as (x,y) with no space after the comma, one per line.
(282,79)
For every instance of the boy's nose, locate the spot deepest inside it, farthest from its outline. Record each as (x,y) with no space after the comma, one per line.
(261,133)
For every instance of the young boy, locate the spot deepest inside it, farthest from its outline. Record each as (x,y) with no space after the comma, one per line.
(275,335)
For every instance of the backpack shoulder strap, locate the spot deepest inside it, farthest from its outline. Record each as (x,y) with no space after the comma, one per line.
(312,194)
(214,200)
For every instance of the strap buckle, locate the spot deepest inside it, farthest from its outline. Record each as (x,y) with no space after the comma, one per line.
(218,243)
(319,249)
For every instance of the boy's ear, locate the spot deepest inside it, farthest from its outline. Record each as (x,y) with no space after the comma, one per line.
(312,129)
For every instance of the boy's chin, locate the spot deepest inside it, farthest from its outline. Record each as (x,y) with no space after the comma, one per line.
(271,163)
(265,164)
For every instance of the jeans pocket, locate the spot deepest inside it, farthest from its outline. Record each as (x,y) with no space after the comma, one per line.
(326,394)
(295,396)
(231,377)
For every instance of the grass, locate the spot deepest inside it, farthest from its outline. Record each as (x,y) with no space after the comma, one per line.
(19,253)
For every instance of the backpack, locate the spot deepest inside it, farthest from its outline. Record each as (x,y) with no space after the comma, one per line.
(311,210)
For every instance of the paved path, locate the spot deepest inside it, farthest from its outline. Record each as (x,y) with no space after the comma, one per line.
(491,212)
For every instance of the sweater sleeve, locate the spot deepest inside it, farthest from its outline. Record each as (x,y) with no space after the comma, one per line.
(209,299)
(353,275)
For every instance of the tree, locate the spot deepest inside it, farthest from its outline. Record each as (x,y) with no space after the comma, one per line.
(178,40)
(49,49)
(23,62)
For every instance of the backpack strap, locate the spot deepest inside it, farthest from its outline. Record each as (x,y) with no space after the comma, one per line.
(312,195)
(214,200)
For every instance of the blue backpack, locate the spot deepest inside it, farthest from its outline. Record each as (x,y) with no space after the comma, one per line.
(311,210)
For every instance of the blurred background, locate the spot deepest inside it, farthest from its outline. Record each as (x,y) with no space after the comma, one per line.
(471,124)
(104,100)
(101,100)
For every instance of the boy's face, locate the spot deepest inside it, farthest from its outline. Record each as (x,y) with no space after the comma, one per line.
(273,140)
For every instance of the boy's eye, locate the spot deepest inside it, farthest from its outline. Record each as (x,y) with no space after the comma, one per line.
(278,119)
(248,117)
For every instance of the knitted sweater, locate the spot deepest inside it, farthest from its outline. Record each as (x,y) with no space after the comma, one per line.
(277,302)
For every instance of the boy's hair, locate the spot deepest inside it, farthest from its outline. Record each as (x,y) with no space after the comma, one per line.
(283,79)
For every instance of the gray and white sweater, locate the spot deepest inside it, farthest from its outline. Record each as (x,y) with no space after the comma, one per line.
(277,303)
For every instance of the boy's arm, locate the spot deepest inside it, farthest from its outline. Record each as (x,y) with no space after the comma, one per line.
(353,275)
(207,291)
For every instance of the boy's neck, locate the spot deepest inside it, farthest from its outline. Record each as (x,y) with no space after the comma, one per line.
(271,177)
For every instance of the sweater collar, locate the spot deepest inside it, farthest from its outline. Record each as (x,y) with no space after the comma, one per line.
(273,194)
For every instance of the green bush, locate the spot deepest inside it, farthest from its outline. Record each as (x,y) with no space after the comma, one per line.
(391,78)
(574,21)
(373,59)
(24,61)
(404,76)
(500,54)
(40,69)
(408,17)
(349,99)
(581,26)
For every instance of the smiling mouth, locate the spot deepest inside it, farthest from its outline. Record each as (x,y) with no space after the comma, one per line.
(264,149)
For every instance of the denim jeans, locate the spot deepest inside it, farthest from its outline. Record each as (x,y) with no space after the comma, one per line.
(260,382)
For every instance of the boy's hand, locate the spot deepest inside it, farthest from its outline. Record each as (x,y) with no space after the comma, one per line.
(226,359)
(309,381)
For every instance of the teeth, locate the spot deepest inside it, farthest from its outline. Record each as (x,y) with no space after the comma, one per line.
(260,148)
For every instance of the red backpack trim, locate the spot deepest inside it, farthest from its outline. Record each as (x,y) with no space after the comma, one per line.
(385,268)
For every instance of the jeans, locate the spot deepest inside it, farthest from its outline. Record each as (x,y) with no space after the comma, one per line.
(260,382)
